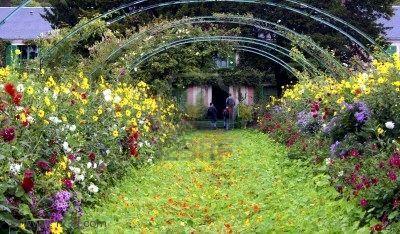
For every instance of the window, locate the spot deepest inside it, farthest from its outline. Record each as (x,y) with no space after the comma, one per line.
(392,49)
(28,51)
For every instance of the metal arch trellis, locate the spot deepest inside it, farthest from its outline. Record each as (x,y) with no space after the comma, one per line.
(216,19)
(238,47)
(266,55)
(269,2)
(176,43)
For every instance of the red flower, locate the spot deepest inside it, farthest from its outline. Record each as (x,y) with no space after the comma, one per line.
(354,153)
(92,156)
(394,161)
(10,89)
(27,184)
(71,157)
(134,152)
(378,227)
(375,181)
(17,98)
(53,159)
(68,183)
(8,134)
(392,176)
(43,165)
(363,202)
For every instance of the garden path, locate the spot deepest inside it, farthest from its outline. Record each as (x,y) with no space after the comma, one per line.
(238,181)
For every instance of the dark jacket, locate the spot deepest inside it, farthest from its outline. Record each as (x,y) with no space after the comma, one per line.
(212,113)
(225,114)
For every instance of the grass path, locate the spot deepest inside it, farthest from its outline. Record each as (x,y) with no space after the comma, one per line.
(236,181)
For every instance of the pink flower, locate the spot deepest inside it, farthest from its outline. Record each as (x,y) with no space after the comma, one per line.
(394,161)
(363,202)
(392,176)
(8,134)
(354,153)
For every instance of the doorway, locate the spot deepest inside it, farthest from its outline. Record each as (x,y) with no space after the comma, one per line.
(219,97)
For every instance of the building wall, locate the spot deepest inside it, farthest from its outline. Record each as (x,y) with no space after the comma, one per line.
(199,94)
(203,94)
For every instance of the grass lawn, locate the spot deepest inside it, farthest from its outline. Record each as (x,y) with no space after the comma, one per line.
(216,181)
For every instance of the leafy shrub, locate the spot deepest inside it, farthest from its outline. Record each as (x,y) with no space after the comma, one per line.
(63,142)
(355,124)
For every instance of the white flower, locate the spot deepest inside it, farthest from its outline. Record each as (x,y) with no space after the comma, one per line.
(341,173)
(89,165)
(80,177)
(75,170)
(19,108)
(55,120)
(30,119)
(94,165)
(107,152)
(66,147)
(20,88)
(117,99)
(55,96)
(78,159)
(93,188)
(140,144)
(389,125)
(107,95)
(147,143)
(72,128)
(15,168)
(46,90)
(328,161)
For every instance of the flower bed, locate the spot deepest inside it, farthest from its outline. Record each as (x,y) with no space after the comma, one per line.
(61,143)
(352,126)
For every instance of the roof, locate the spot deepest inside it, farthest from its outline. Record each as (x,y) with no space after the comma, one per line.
(26,24)
(393,25)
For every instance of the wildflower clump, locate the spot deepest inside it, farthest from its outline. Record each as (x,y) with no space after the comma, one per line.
(62,142)
(351,127)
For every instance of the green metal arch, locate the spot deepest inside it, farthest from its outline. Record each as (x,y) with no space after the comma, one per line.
(270,3)
(176,43)
(215,19)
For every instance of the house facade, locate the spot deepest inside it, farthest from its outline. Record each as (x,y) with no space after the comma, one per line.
(25,25)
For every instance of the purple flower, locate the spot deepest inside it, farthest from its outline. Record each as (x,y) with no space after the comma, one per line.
(56,217)
(303,119)
(362,113)
(330,126)
(334,148)
(60,205)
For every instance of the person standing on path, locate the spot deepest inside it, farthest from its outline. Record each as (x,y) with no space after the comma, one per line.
(230,104)
(212,115)
(225,114)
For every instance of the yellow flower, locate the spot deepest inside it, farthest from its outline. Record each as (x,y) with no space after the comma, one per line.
(100,111)
(128,113)
(29,90)
(22,226)
(55,228)
(138,114)
(41,113)
(47,101)
(64,119)
(81,111)
(115,133)
(22,117)
(380,131)
(48,173)
(118,114)
(95,118)
(18,52)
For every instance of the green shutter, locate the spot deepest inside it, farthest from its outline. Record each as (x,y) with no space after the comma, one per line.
(231,60)
(392,49)
(10,53)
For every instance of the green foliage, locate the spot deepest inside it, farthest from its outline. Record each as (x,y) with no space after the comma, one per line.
(238,181)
